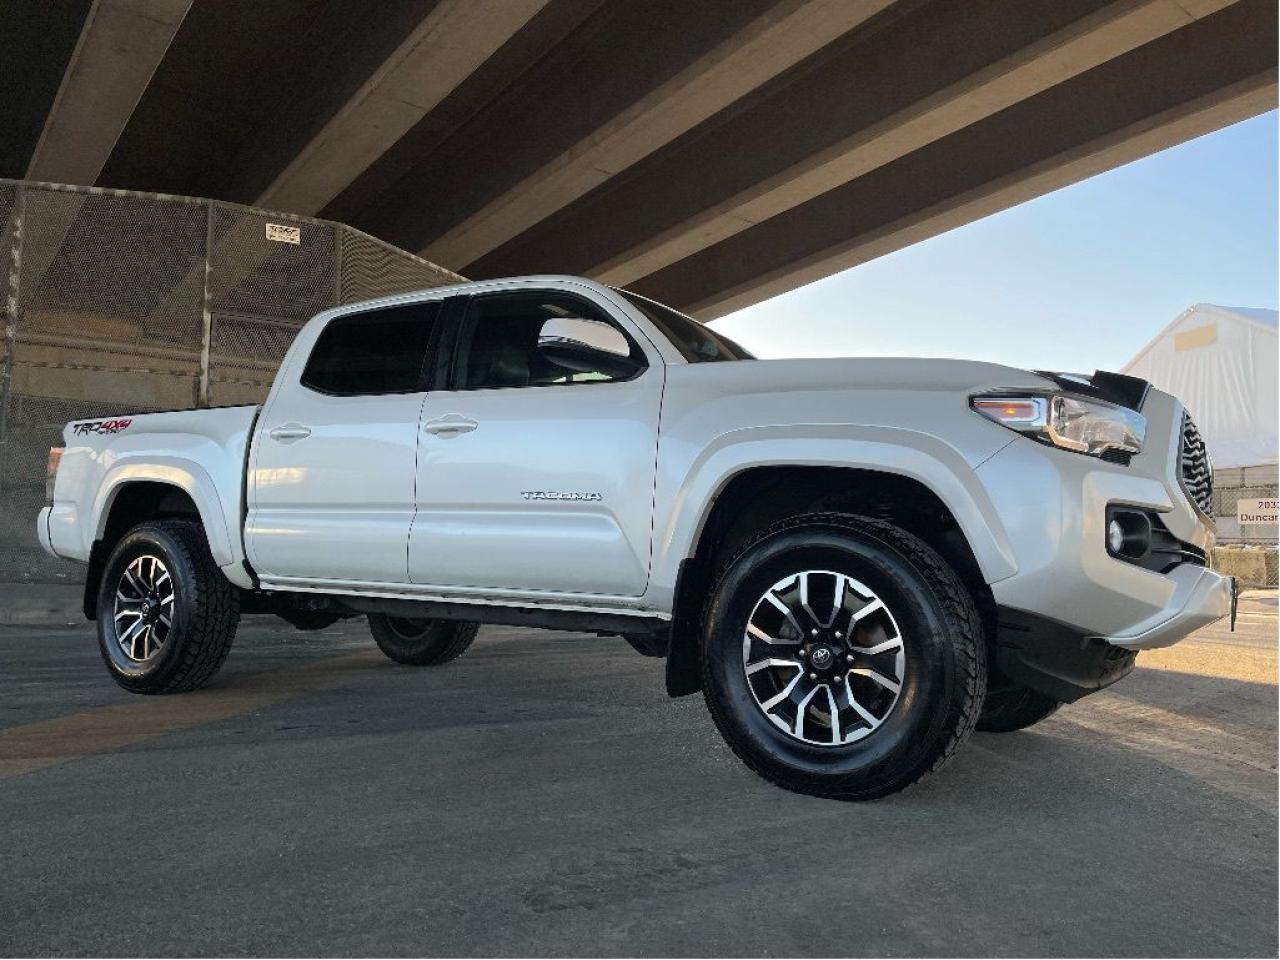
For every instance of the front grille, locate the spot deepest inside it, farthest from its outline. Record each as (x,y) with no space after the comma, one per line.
(1195,467)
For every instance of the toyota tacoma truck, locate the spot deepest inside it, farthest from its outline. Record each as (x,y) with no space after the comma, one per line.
(856,561)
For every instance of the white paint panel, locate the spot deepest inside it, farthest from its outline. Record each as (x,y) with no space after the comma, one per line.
(474,527)
(337,503)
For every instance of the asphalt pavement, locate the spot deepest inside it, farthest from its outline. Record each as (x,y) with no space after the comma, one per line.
(542,796)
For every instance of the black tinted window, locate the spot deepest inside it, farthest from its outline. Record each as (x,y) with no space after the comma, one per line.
(498,342)
(696,342)
(381,351)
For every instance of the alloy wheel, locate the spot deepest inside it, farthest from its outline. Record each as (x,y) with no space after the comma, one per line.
(143,611)
(824,658)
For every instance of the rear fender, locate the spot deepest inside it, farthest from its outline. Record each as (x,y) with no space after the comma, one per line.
(193,480)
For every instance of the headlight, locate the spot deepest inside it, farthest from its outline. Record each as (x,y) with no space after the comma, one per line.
(1070,422)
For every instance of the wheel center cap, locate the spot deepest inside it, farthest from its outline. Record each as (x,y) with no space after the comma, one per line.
(821,657)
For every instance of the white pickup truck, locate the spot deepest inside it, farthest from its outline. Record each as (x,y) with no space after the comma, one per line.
(855,560)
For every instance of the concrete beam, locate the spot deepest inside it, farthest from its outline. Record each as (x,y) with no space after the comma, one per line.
(771,44)
(454,38)
(526,54)
(121,44)
(1218,71)
(1108,33)
(1205,115)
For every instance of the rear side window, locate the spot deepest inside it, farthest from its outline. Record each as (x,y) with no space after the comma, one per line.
(382,351)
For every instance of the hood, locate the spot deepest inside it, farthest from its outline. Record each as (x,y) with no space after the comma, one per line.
(884,373)
(921,398)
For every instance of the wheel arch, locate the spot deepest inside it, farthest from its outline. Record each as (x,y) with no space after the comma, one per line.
(755,497)
(133,494)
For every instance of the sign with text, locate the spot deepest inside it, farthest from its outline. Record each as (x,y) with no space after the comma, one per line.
(1266,510)
(282,234)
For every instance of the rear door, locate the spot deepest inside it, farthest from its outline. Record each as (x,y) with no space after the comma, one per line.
(331,493)
(532,477)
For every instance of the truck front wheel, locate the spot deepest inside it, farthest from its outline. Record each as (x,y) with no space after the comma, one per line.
(166,614)
(842,657)
(421,642)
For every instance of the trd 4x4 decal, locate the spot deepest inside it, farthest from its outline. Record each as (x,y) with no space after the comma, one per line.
(102,427)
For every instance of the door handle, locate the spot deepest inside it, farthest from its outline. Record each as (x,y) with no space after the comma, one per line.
(289,432)
(450,425)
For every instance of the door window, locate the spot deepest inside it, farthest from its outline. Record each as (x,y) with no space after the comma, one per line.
(497,342)
(696,342)
(377,352)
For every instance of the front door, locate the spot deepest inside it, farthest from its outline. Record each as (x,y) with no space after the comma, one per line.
(331,484)
(531,476)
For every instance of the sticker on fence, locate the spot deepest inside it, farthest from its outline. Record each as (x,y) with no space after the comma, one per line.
(283,234)
(1266,510)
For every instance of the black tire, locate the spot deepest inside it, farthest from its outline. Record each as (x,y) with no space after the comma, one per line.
(421,643)
(1015,708)
(203,612)
(943,667)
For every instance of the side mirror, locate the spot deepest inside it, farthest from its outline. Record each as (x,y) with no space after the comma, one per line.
(586,346)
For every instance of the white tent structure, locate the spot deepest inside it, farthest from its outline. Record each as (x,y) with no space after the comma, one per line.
(1222,363)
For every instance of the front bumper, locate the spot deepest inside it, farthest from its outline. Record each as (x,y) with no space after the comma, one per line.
(1200,597)
(1062,662)
(1053,505)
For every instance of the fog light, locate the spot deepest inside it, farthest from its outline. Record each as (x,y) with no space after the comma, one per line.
(1128,533)
(1115,537)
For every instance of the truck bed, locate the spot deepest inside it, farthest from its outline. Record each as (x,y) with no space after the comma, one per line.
(202,452)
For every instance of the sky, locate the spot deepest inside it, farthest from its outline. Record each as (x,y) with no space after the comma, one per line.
(1076,280)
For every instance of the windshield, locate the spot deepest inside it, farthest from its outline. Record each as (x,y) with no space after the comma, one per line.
(696,342)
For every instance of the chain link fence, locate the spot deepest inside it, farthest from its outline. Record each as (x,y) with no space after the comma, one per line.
(117,302)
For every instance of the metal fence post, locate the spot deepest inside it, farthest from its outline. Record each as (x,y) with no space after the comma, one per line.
(206,325)
(337,265)
(13,282)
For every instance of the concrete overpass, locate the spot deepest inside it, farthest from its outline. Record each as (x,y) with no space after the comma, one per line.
(707,154)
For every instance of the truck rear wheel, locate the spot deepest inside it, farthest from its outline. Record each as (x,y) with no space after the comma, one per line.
(421,642)
(166,615)
(1015,708)
(842,657)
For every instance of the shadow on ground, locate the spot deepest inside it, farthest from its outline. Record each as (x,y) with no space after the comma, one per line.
(542,796)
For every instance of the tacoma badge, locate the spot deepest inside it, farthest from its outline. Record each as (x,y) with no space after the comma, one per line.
(557,495)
